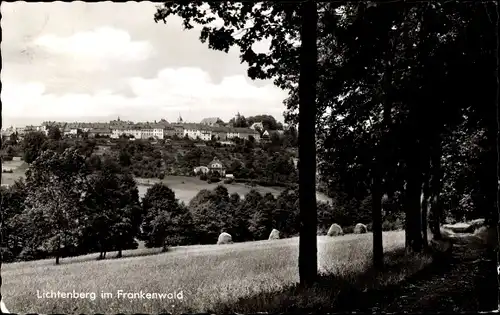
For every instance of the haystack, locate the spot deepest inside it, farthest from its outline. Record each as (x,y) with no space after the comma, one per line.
(335,230)
(475,225)
(360,228)
(275,235)
(224,238)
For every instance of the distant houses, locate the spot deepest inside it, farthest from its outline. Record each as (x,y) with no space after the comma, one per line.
(208,129)
(216,166)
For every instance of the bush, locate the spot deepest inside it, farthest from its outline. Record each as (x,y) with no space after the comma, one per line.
(387,226)
(369,227)
(6,254)
(7,158)
(203,177)
(348,229)
(395,225)
(214,179)
(228,181)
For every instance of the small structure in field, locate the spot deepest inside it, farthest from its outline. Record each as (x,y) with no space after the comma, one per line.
(201,170)
(335,230)
(275,235)
(224,238)
(216,166)
(360,228)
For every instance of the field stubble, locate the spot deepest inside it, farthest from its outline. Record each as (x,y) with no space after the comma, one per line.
(243,277)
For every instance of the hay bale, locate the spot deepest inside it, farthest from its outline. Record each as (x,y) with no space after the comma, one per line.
(475,225)
(335,230)
(445,233)
(458,227)
(275,235)
(224,238)
(360,228)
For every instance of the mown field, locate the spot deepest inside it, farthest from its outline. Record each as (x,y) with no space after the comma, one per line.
(185,188)
(18,168)
(210,277)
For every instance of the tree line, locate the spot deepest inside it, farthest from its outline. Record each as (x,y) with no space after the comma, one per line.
(380,91)
(268,163)
(73,204)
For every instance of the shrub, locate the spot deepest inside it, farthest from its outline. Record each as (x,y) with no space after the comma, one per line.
(214,179)
(348,229)
(387,226)
(228,181)
(7,158)
(203,177)
(369,227)
(6,254)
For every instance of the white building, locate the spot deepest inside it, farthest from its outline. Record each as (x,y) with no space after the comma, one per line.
(157,133)
(134,132)
(194,132)
(257,126)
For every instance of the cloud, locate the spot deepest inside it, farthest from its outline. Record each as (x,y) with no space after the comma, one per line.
(188,91)
(103,43)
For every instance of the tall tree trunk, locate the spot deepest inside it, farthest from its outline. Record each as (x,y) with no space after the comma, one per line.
(435,186)
(308,260)
(378,247)
(58,251)
(424,210)
(412,203)
(164,245)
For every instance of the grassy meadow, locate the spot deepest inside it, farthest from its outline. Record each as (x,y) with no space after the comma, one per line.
(186,188)
(216,278)
(18,168)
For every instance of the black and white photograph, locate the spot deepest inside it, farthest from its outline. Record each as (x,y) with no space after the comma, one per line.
(225,157)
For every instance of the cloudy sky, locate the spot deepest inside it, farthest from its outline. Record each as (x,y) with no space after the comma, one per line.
(96,61)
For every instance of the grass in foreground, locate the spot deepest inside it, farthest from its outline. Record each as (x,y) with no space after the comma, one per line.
(211,278)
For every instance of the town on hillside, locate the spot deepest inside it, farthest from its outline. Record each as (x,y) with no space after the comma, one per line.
(140,188)
(208,129)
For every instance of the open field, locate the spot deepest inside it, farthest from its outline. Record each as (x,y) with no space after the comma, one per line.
(18,168)
(208,275)
(186,188)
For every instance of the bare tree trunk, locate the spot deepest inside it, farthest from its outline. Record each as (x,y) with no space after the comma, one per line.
(378,247)
(58,251)
(435,212)
(424,210)
(308,260)
(412,205)
(164,246)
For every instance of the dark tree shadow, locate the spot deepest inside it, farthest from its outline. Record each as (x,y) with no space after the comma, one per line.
(377,290)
